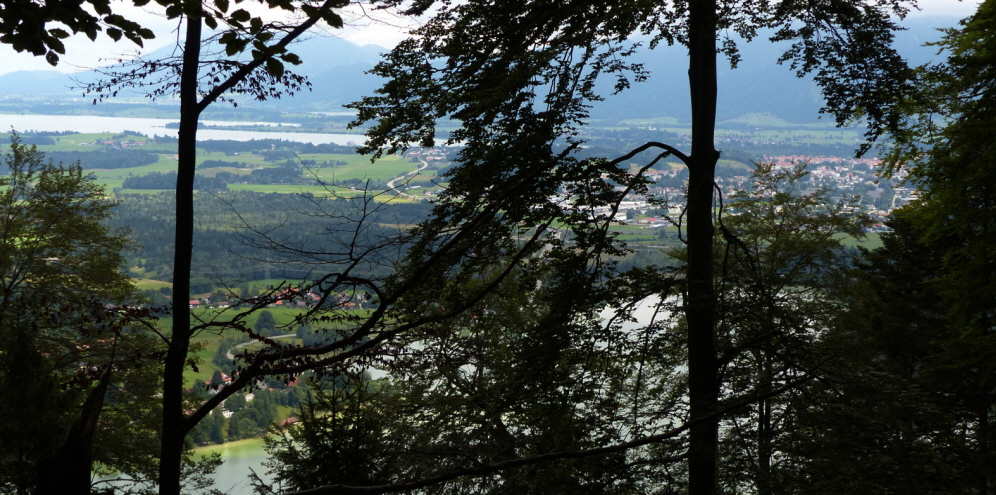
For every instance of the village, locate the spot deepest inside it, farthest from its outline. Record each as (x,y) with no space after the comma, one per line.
(844,177)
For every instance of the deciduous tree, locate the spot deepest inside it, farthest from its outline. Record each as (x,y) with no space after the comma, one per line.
(522,89)
(947,149)
(65,349)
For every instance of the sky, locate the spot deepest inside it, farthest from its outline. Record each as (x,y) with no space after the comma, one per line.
(82,54)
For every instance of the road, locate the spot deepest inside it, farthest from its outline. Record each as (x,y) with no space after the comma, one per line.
(422,165)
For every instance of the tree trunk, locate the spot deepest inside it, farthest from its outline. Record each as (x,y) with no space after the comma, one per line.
(174,430)
(703,384)
(68,470)
(764,428)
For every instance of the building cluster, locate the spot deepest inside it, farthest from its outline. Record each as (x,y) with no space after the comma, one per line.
(116,144)
(843,177)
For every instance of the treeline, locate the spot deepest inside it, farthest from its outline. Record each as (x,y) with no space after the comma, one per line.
(167,181)
(247,418)
(287,173)
(42,138)
(221,163)
(105,159)
(262,145)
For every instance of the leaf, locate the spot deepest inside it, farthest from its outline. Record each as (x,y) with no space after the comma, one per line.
(173,11)
(134,38)
(240,16)
(114,33)
(56,46)
(274,67)
(333,19)
(210,21)
(222,5)
(291,58)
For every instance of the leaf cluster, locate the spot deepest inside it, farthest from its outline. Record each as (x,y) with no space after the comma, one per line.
(24,25)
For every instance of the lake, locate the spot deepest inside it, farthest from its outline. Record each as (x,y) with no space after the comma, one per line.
(239,458)
(157,127)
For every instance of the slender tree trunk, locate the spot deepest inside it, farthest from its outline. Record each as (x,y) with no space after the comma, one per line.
(703,384)
(764,429)
(983,440)
(985,426)
(174,430)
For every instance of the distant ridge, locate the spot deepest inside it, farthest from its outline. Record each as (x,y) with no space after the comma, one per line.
(337,70)
(35,83)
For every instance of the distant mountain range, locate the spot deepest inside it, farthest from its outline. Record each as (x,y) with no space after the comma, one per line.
(337,71)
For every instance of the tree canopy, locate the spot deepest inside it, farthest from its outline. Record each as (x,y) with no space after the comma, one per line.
(521,92)
(25,25)
(66,340)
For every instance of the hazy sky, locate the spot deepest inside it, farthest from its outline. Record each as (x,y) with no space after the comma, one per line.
(82,53)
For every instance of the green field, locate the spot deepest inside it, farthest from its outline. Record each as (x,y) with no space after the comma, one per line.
(355,167)
(149,284)
(765,127)
(360,167)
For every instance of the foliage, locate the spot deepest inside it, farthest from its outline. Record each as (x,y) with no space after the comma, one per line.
(512,378)
(885,416)
(201,78)
(266,324)
(223,254)
(527,371)
(24,25)
(521,91)
(780,260)
(947,149)
(67,350)
(167,181)
(337,440)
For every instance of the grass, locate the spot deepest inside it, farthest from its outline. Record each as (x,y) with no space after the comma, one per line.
(766,128)
(356,166)
(315,189)
(734,164)
(249,447)
(149,284)
(360,167)
(211,172)
(140,191)
(165,164)
(74,142)
(872,241)
(760,119)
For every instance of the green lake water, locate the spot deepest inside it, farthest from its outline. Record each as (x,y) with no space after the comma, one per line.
(239,460)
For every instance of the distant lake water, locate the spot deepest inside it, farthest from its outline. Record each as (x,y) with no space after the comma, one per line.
(157,127)
(240,458)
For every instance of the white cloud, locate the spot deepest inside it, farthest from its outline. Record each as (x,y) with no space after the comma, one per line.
(947,8)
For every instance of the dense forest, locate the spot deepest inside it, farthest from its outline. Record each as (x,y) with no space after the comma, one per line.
(234,231)
(508,337)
